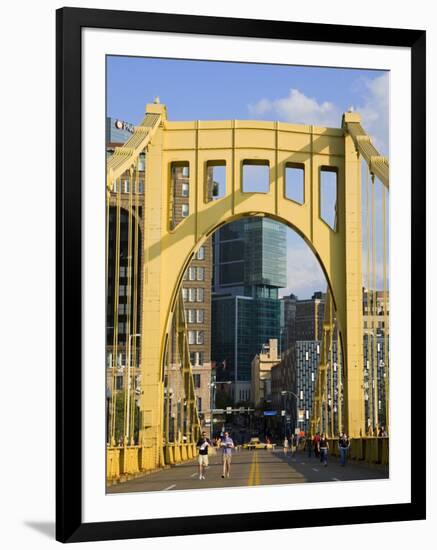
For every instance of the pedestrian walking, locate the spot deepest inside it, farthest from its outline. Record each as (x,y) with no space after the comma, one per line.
(293,445)
(227,445)
(203,445)
(323,449)
(343,445)
(285,445)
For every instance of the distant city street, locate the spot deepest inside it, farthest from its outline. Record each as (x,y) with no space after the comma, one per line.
(250,468)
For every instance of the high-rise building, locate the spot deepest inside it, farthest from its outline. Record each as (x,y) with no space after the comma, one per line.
(262,364)
(294,382)
(288,336)
(309,317)
(196,293)
(250,258)
(375,382)
(249,269)
(122,304)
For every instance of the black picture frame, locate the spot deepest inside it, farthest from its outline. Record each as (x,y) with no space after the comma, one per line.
(69,24)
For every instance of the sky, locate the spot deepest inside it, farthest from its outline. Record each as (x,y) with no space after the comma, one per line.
(204,90)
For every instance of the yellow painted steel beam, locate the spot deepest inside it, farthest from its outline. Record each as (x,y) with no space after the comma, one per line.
(378,165)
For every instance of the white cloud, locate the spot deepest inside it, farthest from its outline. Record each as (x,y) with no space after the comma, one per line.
(372,104)
(299,109)
(304,274)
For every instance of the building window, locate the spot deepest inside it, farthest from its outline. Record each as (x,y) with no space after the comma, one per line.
(186,171)
(185,275)
(192,273)
(185,210)
(200,273)
(185,294)
(191,337)
(199,337)
(191,315)
(196,358)
(197,382)
(200,315)
(184,189)
(201,253)
(191,294)
(199,404)
(199,294)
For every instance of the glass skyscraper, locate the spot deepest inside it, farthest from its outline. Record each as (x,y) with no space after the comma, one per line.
(249,268)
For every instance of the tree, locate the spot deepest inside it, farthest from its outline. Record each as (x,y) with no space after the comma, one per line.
(120,417)
(222,399)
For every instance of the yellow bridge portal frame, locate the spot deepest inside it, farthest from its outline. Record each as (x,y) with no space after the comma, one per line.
(168,250)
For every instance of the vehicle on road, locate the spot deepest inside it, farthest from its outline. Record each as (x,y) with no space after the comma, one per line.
(256,443)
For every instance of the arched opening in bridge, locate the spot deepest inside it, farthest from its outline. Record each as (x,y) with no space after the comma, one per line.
(255,309)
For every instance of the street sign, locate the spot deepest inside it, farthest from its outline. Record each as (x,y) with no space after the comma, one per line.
(241,410)
(218,411)
(228,410)
(270,413)
(282,413)
(297,431)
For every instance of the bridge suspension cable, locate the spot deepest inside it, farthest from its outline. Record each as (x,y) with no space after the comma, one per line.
(385,306)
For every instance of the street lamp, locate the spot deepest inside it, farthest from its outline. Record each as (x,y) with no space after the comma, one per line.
(285,392)
(213,386)
(128,385)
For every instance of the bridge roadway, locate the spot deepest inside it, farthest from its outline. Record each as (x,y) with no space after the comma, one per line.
(260,467)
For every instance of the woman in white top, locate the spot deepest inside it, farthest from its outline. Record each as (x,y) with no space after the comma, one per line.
(285,445)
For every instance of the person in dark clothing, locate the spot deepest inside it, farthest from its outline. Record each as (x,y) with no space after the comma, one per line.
(343,445)
(203,445)
(323,448)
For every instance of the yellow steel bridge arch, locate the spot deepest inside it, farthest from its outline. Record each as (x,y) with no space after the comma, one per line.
(168,251)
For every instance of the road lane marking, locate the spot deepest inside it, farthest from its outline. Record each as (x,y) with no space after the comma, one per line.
(254,476)
(168,488)
(335,479)
(192,475)
(251,471)
(315,469)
